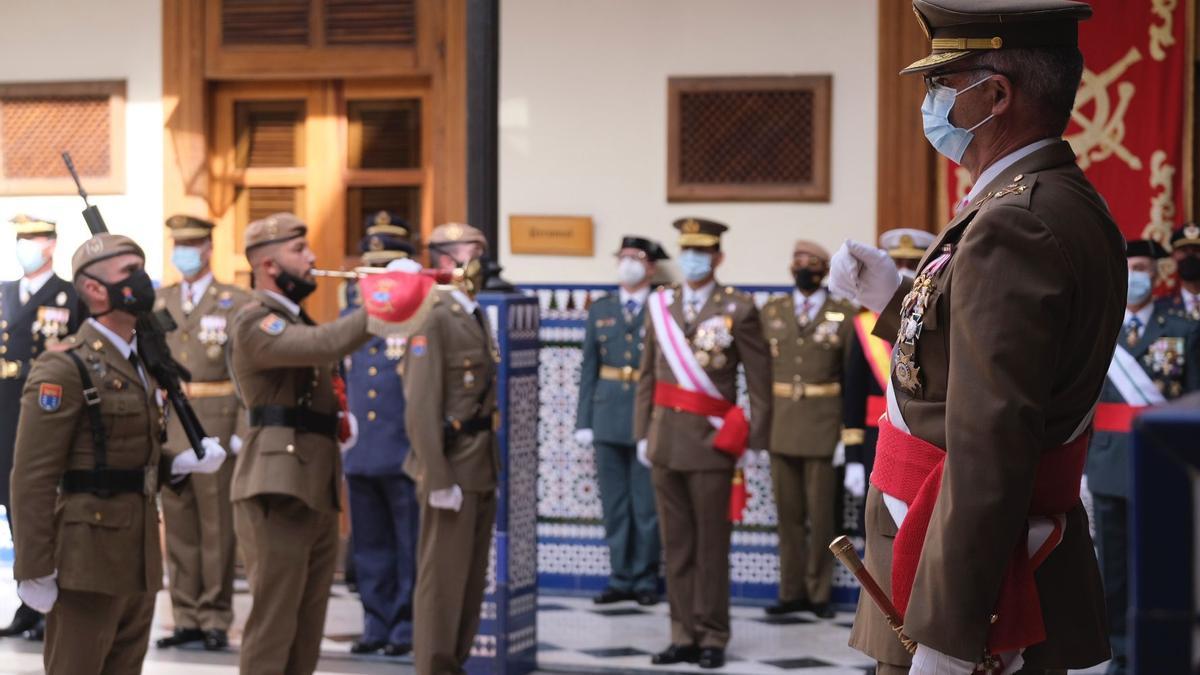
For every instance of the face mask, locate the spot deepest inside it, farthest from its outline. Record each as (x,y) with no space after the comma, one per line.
(695,265)
(187,260)
(134,294)
(807,280)
(1189,268)
(294,288)
(946,138)
(31,254)
(1140,285)
(630,272)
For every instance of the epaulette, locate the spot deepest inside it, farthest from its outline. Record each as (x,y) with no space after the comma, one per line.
(1018,192)
(64,345)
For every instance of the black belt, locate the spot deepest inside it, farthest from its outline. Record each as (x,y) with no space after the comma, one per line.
(300,419)
(105,482)
(474,425)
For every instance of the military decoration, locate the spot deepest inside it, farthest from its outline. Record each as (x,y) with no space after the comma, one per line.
(826,332)
(213,335)
(50,397)
(61,298)
(51,322)
(1166,357)
(712,337)
(396,345)
(912,319)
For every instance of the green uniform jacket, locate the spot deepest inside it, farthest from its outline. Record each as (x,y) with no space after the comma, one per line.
(606,406)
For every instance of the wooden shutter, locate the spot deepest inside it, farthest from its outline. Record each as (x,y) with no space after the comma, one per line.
(265,22)
(370,22)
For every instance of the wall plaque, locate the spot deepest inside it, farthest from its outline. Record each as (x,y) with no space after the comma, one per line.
(551,235)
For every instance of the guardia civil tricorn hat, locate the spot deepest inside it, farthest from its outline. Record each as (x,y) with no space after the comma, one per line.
(959,28)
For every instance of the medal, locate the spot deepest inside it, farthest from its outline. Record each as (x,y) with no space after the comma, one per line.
(702,358)
(719,360)
(468,380)
(907,373)
(213,352)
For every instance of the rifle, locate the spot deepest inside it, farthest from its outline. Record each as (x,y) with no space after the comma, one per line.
(152,329)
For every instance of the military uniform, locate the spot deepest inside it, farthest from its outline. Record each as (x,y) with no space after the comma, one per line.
(285,484)
(1184,302)
(383,503)
(612,354)
(691,477)
(198,520)
(85,481)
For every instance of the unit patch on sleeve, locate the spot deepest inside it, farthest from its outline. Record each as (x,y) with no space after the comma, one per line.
(417,345)
(272,324)
(50,396)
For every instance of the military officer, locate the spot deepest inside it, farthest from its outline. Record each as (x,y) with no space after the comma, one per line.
(285,484)
(199,518)
(612,351)
(697,334)
(1002,343)
(383,503)
(37,310)
(450,388)
(1185,249)
(808,332)
(1155,361)
(867,364)
(88,467)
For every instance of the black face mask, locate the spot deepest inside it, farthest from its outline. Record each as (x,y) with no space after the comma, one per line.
(294,288)
(807,280)
(1189,268)
(134,294)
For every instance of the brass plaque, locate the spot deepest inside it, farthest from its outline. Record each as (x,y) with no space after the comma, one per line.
(551,235)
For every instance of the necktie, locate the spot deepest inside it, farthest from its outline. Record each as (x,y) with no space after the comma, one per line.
(479,317)
(24,293)
(803,315)
(137,367)
(690,309)
(631,307)
(1134,326)
(188,303)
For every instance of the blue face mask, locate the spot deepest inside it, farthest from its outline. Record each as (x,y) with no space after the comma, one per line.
(1140,286)
(31,254)
(946,138)
(187,260)
(695,265)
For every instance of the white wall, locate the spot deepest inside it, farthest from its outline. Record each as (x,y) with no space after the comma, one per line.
(583,89)
(72,40)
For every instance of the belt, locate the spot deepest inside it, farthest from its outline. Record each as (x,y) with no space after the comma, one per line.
(208,389)
(734,429)
(11,370)
(799,390)
(474,425)
(300,419)
(109,482)
(623,374)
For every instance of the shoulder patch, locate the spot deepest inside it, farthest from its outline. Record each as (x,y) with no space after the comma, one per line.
(417,345)
(50,397)
(272,324)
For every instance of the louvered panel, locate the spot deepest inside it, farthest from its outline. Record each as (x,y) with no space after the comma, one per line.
(746,137)
(268,133)
(35,130)
(384,134)
(265,22)
(370,22)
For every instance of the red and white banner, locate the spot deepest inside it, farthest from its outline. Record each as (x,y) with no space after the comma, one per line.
(1132,124)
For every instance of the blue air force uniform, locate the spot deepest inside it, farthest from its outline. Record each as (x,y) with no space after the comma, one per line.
(384,515)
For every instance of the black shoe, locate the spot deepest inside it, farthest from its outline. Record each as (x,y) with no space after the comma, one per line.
(788,607)
(393,649)
(711,657)
(610,595)
(823,610)
(216,640)
(23,619)
(647,598)
(361,647)
(38,632)
(676,654)
(181,636)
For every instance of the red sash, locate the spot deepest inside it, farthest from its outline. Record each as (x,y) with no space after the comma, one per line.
(732,436)
(910,469)
(1116,417)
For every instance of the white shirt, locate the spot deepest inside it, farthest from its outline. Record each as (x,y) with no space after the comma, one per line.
(28,286)
(468,305)
(695,298)
(639,296)
(195,291)
(126,348)
(1001,165)
(815,302)
(283,300)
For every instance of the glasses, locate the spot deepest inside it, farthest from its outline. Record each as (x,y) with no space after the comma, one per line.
(936,80)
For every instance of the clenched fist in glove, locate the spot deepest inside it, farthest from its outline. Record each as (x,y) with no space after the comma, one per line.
(864,274)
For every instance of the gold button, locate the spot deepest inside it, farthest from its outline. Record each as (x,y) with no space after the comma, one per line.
(3,324)
(628,355)
(183,356)
(183,337)
(799,359)
(371,394)
(3,350)
(371,416)
(373,350)
(97,516)
(3,336)
(628,337)
(799,341)
(372,371)
(290,448)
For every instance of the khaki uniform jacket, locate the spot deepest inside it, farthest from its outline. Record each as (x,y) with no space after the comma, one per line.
(199,344)
(276,358)
(1013,354)
(100,545)
(682,441)
(803,426)
(450,373)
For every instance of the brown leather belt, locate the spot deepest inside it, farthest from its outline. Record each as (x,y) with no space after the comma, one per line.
(209,389)
(10,370)
(798,390)
(624,374)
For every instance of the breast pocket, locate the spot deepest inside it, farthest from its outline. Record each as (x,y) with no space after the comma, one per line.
(125,415)
(466,382)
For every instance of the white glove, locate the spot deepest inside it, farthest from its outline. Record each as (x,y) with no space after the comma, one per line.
(864,274)
(405,265)
(855,481)
(929,661)
(745,460)
(584,436)
(450,498)
(643,452)
(40,594)
(187,462)
(350,442)
(235,444)
(839,454)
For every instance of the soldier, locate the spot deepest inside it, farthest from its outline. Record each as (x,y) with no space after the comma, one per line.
(88,467)
(36,311)
(868,360)
(808,332)
(449,383)
(199,518)
(1185,249)
(383,501)
(1154,362)
(285,484)
(612,350)
(1001,347)
(693,432)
